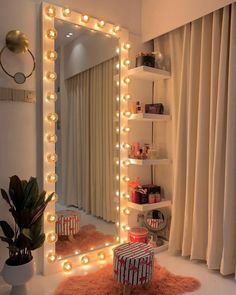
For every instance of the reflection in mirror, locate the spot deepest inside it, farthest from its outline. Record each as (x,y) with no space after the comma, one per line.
(86,105)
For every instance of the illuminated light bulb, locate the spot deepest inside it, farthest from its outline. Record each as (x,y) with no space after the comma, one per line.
(85,18)
(85,260)
(52,117)
(126,146)
(127,80)
(126,162)
(127,46)
(117,98)
(117,114)
(126,211)
(51,76)
(117,193)
(126,196)
(118,50)
(52,138)
(117,224)
(51,96)
(91,249)
(125,227)
(117,162)
(117,177)
(126,178)
(117,146)
(126,62)
(67,266)
(52,55)
(107,244)
(117,208)
(101,24)
(77,252)
(52,158)
(52,177)
(59,258)
(52,34)
(117,83)
(127,114)
(51,218)
(51,11)
(52,237)
(117,130)
(126,129)
(66,12)
(126,97)
(101,255)
(116,29)
(54,196)
(117,239)
(117,66)
(52,257)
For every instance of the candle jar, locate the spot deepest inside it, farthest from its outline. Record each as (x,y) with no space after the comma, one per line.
(138,235)
(135,197)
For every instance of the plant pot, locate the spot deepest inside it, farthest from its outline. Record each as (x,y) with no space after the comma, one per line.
(18,276)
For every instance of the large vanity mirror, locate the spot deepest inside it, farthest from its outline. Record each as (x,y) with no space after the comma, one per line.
(85,94)
(86,136)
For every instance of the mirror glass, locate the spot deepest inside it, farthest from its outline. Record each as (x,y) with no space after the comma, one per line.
(86,137)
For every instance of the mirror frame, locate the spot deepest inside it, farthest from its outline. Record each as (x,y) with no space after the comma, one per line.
(51,263)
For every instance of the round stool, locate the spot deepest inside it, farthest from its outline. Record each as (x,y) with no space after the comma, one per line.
(133,265)
(67,223)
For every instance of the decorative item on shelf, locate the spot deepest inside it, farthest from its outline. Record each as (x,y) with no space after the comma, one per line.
(27,208)
(145,59)
(17,42)
(154,193)
(138,194)
(138,234)
(154,108)
(138,151)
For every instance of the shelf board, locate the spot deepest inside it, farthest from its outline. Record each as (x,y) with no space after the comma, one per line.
(148,73)
(162,248)
(147,207)
(149,162)
(149,117)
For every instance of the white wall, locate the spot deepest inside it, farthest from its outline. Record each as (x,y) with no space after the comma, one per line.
(20,123)
(162,16)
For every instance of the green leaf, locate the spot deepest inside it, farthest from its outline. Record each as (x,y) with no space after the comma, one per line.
(6,240)
(31,193)
(5,197)
(37,242)
(26,233)
(24,183)
(7,230)
(16,192)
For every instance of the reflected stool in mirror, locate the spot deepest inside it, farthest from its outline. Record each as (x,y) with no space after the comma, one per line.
(68,223)
(133,265)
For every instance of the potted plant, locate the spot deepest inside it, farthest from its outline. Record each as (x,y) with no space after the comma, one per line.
(26,206)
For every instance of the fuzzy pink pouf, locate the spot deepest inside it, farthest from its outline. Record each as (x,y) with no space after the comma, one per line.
(87,238)
(101,283)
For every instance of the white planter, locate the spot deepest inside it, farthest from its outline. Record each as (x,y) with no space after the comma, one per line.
(18,276)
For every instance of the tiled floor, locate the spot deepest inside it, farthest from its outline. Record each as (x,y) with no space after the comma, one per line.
(212,282)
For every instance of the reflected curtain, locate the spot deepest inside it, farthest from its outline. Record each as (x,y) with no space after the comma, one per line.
(89,142)
(203,57)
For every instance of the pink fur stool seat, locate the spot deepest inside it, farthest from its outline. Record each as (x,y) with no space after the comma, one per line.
(133,265)
(68,223)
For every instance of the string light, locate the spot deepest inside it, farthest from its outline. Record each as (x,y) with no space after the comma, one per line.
(127,46)
(126,62)
(52,34)
(101,255)
(52,237)
(52,96)
(126,211)
(67,266)
(52,177)
(126,178)
(101,24)
(52,76)
(66,12)
(116,29)
(127,80)
(52,138)
(126,97)
(51,218)
(85,259)
(85,18)
(52,117)
(52,158)
(52,55)
(50,11)
(52,257)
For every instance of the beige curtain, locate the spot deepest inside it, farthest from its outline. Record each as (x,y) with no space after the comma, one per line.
(89,142)
(203,57)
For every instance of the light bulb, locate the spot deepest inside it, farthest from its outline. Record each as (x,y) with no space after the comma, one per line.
(117,239)
(125,227)
(51,218)
(117,193)
(117,83)
(117,162)
(117,208)
(67,266)
(51,11)
(117,130)
(52,177)
(117,224)
(127,46)
(117,177)
(85,18)
(51,96)
(52,237)
(126,162)
(52,138)
(85,259)
(117,66)
(52,117)
(66,12)
(107,244)
(127,80)
(52,257)
(117,98)
(126,62)
(77,252)
(52,34)
(52,157)
(52,76)
(126,179)
(126,146)
(117,114)
(126,211)
(126,97)
(117,146)
(116,29)
(118,50)
(127,114)
(126,129)
(54,197)
(126,196)
(51,55)
(101,255)
(101,24)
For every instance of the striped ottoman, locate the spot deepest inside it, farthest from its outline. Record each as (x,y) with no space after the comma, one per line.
(67,223)
(133,265)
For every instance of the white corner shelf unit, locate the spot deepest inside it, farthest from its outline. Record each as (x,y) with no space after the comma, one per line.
(147,207)
(148,73)
(149,117)
(149,162)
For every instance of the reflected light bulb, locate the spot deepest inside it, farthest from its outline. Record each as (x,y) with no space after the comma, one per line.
(127,62)
(101,255)
(52,34)
(67,266)
(51,76)
(52,177)
(117,193)
(126,196)
(127,80)
(52,117)
(101,24)
(116,29)
(127,97)
(117,66)
(52,55)
(126,179)
(50,11)
(117,98)
(66,12)
(118,50)
(51,96)
(85,260)
(52,257)
(126,162)
(126,211)
(51,218)
(52,138)
(52,237)
(127,46)
(52,158)
(126,146)
(85,18)
(127,114)
(126,129)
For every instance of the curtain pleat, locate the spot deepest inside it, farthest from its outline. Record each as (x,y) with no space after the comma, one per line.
(89,141)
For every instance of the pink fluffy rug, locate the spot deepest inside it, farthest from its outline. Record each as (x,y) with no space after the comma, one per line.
(88,237)
(101,283)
